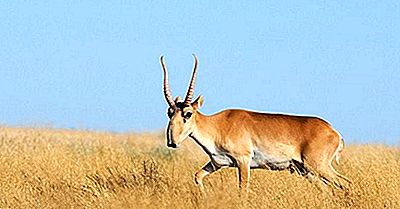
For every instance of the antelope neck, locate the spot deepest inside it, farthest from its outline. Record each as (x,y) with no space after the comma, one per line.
(202,133)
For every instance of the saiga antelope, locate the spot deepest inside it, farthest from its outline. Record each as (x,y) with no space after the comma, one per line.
(246,139)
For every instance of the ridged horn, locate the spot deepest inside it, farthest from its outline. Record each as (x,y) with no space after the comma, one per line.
(190,91)
(167,91)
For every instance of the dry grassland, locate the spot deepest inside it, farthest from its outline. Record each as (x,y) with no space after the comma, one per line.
(46,168)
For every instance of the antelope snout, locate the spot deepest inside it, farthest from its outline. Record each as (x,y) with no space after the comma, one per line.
(171,145)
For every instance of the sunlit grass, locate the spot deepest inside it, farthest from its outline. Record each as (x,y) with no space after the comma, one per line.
(45,168)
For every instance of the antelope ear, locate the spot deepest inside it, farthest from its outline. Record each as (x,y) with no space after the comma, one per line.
(198,102)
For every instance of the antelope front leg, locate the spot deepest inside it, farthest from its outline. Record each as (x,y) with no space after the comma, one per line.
(244,172)
(206,170)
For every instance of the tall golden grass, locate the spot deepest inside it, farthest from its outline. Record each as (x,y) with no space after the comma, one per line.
(48,168)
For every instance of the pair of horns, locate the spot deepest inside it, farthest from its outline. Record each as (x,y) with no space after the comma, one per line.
(167,90)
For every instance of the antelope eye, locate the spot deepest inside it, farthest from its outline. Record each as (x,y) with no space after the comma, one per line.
(187,114)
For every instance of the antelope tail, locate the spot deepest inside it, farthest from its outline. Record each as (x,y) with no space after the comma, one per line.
(340,148)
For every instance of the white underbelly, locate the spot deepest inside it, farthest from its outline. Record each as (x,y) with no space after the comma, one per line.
(222,159)
(263,160)
(259,160)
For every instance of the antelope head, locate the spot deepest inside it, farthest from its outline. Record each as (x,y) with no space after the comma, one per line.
(181,113)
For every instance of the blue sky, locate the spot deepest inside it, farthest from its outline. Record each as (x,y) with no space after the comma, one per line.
(95,65)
